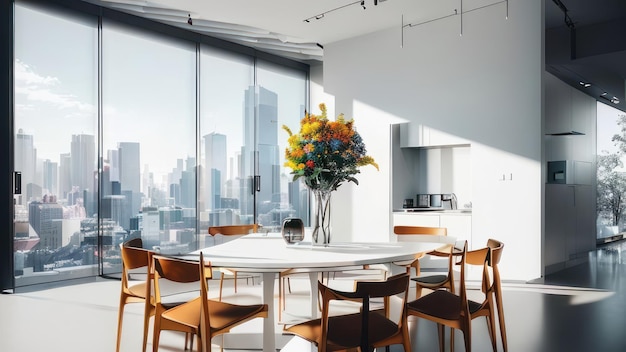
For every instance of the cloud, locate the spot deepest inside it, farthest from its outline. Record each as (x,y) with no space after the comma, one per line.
(44,89)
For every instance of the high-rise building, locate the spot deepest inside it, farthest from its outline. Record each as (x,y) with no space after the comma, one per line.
(215,154)
(65,175)
(25,160)
(50,177)
(129,166)
(45,218)
(83,161)
(267,148)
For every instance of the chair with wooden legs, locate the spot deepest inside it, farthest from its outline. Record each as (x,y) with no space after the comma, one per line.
(430,281)
(135,258)
(492,288)
(444,307)
(203,317)
(364,329)
(231,231)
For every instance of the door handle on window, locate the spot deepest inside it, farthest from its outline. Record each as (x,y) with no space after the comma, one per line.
(257,183)
(17,182)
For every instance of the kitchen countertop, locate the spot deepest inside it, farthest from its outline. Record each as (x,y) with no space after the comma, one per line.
(464,211)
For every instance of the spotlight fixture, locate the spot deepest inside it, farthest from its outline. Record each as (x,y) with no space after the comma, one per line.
(615,100)
(585,84)
(189,20)
(356,2)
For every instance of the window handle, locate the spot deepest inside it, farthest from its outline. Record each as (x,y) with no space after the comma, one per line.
(257,183)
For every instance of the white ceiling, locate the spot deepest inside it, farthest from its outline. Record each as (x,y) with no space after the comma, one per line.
(279,26)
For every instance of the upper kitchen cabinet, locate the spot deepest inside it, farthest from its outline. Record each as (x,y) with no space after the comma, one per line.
(567,108)
(570,117)
(418,135)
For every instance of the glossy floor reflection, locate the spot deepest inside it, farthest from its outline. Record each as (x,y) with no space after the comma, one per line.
(580,309)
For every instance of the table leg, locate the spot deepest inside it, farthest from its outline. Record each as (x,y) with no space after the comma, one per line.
(269,337)
(314,277)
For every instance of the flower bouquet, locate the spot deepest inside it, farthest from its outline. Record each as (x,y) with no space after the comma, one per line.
(325,154)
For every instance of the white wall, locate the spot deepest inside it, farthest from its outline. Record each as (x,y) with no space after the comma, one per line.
(484,86)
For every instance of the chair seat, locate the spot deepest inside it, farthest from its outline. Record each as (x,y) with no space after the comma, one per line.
(223,315)
(431,279)
(448,305)
(345,330)
(138,290)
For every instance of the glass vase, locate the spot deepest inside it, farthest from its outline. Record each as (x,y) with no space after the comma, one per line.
(321,218)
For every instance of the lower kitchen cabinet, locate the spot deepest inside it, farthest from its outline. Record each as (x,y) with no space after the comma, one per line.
(569,224)
(459,225)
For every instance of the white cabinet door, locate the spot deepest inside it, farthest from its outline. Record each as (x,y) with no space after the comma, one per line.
(560,223)
(429,220)
(412,135)
(459,226)
(417,135)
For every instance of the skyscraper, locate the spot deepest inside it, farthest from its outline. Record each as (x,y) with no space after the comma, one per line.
(129,166)
(215,161)
(25,160)
(83,161)
(266,145)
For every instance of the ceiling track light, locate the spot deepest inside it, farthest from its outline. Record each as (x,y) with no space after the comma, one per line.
(456,12)
(321,15)
(189,20)
(585,84)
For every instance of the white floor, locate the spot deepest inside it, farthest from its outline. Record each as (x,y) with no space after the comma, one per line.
(581,309)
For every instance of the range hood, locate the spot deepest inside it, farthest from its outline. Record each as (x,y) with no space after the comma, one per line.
(568,133)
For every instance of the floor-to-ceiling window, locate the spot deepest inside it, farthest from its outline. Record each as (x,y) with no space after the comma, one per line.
(55,145)
(148,186)
(226,119)
(281,101)
(611,171)
(132,133)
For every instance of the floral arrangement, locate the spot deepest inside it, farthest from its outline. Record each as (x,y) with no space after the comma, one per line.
(326,153)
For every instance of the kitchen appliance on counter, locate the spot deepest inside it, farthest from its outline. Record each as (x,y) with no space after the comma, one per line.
(423,201)
(435,200)
(431,201)
(449,201)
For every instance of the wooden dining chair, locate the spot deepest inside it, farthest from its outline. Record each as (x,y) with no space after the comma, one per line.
(232,231)
(456,310)
(491,288)
(203,317)
(365,329)
(430,281)
(135,258)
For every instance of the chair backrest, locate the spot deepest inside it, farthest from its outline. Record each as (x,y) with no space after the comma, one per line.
(175,270)
(496,250)
(420,230)
(365,290)
(134,257)
(205,272)
(231,230)
(459,256)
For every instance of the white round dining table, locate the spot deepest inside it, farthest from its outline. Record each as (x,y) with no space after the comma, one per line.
(269,255)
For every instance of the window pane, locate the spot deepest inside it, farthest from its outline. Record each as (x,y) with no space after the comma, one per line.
(148,185)
(55,150)
(226,132)
(281,101)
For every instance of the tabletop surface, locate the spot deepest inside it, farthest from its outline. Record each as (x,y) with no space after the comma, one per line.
(261,252)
